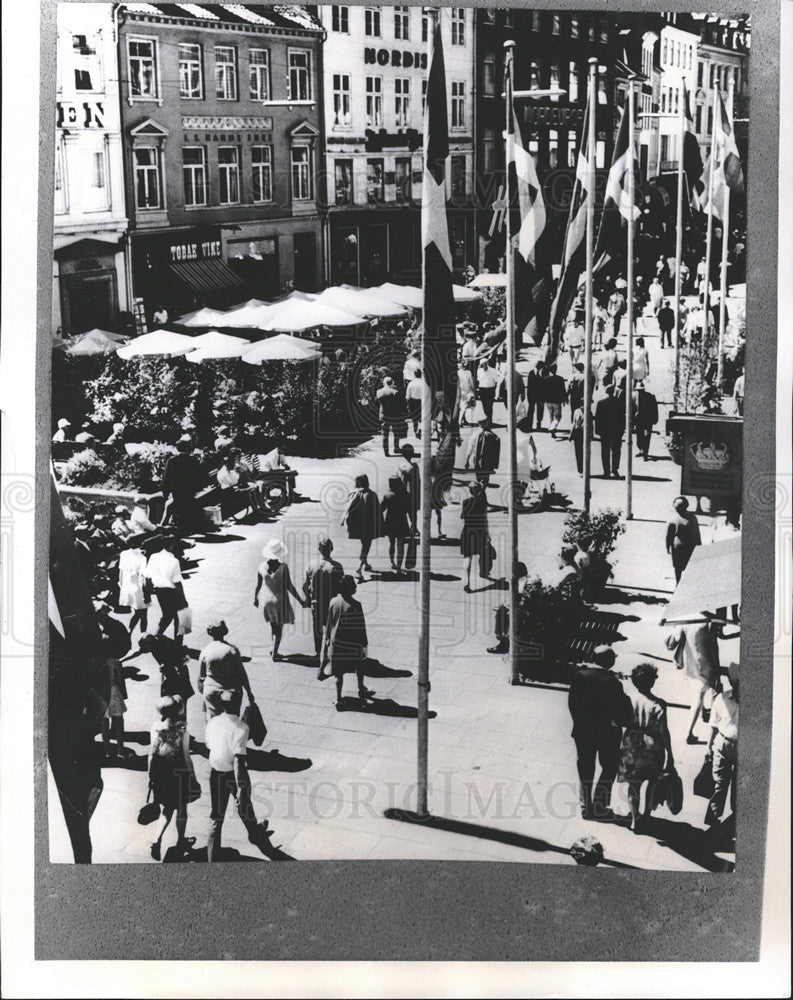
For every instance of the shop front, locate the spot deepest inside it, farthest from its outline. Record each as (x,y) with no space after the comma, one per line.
(87,276)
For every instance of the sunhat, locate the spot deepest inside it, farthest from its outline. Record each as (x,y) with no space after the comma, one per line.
(275,549)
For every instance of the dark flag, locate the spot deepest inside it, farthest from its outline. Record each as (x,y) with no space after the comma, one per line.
(574,256)
(619,207)
(693,167)
(439,327)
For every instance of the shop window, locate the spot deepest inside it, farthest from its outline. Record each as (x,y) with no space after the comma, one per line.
(259,71)
(534,75)
(425,22)
(301,173)
(229,175)
(591,29)
(225,73)
(457,172)
(489,74)
(148,189)
(344,190)
(553,149)
(340,19)
(375,182)
(489,151)
(402,102)
(423,96)
(195,176)
(574,27)
(403,180)
(61,190)
(262,173)
(87,65)
(190,82)
(374,101)
(142,54)
(458,25)
(342,116)
(458,104)
(371,22)
(556,24)
(572,157)
(299,75)
(604,32)
(402,23)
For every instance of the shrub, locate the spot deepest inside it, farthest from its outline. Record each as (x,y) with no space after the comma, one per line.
(142,471)
(597,535)
(546,616)
(85,468)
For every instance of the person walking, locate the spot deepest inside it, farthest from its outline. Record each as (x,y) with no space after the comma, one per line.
(599,708)
(220,668)
(641,361)
(723,750)
(392,413)
(610,428)
(574,336)
(113,721)
(682,536)
(320,587)
(416,391)
(131,585)
(273,576)
(170,658)
(395,506)
(410,474)
(646,749)
(475,534)
(534,395)
(615,309)
(575,389)
(226,739)
(468,353)
(467,393)
(607,363)
(347,646)
(554,394)
(577,437)
(484,451)
(666,322)
(738,394)
(172,778)
(695,650)
(486,379)
(645,418)
(180,483)
(164,574)
(363,520)
(412,366)
(656,293)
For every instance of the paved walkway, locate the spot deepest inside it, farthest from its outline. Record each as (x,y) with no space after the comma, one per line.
(502,763)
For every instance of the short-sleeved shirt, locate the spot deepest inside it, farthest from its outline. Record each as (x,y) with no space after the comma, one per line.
(411,366)
(417,389)
(487,378)
(226,737)
(724,715)
(221,661)
(227,478)
(163,569)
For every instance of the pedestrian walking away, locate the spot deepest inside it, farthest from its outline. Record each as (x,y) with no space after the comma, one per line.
(610,427)
(347,648)
(475,534)
(416,391)
(534,396)
(666,322)
(486,379)
(484,452)
(171,774)
(395,506)
(645,418)
(393,420)
(220,669)
(410,475)
(695,649)
(554,395)
(320,587)
(682,536)
(723,750)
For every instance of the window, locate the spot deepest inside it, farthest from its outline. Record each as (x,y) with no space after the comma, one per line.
(664,148)
(535,20)
(301,173)
(229,175)
(665,51)
(489,15)
(604,32)
(342,117)
(556,24)
(423,96)
(194,175)
(142,67)
(259,71)
(602,95)
(402,102)
(190,71)
(591,29)
(402,23)
(340,19)
(147,177)
(534,147)
(489,74)
(375,182)
(699,119)
(711,76)
(61,194)
(458,178)
(690,56)
(94,191)
(574,27)
(710,120)
(87,67)
(556,79)
(262,173)
(572,82)
(225,73)
(572,158)
(458,25)
(488,151)
(299,75)
(700,69)
(663,101)
(553,149)
(374,101)
(424,27)
(534,75)
(403,179)
(372,22)
(458,104)
(343,171)
(507,18)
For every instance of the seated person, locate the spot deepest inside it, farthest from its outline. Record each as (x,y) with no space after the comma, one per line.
(119,433)
(223,439)
(238,488)
(139,518)
(272,464)
(63,432)
(84,436)
(121,525)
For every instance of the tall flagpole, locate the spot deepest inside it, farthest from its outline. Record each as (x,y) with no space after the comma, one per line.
(422,809)
(590,259)
(629,362)
(725,229)
(514,662)
(709,237)
(679,240)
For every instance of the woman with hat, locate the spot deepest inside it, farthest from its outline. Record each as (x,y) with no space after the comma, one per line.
(62,433)
(273,576)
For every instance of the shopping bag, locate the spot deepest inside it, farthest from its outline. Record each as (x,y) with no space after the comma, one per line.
(703,783)
(150,812)
(411,549)
(521,410)
(184,621)
(252,718)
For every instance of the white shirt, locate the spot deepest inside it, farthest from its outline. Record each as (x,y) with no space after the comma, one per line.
(486,378)
(226,737)
(121,528)
(139,521)
(412,365)
(227,478)
(417,389)
(738,388)
(271,461)
(163,569)
(724,715)
(469,349)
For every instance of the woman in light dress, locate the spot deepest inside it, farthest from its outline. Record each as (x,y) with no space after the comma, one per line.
(641,361)
(274,579)
(131,576)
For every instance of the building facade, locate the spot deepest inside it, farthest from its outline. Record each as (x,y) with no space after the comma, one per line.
(89,274)
(222,131)
(375,67)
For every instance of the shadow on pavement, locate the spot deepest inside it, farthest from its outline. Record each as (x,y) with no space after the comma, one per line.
(226,854)
(374,668)
(129,761)
(380,706)
(301,659)
(689,842)
(133,674)
(651,479)
(621,595)
(274,760)
(137,736)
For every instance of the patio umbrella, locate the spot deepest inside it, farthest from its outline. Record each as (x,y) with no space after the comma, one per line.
(711,580)
(298,315)
(405,295)
(215,346)
(463,294)
(158,343)
(203,317)
(95,342)
(282,347)
(362,302)
(246,317)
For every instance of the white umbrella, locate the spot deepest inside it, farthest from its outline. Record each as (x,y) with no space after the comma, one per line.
(363,302)
(282,347)
(158,343)
(463,294)
(405,295)
(292,317)
(95,342)
(204,317)
(487,280)
(214,346)
(247,317)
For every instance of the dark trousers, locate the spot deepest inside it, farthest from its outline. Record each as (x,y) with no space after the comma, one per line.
(399,430)
(578,445)
(605,747)
(318,625)
(610,450)
(488,396)
(169,605)
(643,435)
(222,786)
(725,760)
(680,559)
(668,334)
(535,405)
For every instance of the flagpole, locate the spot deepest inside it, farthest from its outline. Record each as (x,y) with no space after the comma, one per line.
(709,237)
(589,140)
(422,755)
(629,360)
(514,663)
(679,243)
(725,229)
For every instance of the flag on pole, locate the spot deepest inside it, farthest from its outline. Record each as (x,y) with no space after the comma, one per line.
(439,328)
(619,206)
(574,254)
(727,169)
(694,170)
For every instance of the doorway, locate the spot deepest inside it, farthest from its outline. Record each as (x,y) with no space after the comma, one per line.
(305,262)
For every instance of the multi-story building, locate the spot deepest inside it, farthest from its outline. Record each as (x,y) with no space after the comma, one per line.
(375,68)
(723,65)
(222,129)
(89,276)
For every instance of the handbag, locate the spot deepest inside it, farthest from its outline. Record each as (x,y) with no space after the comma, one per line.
(524,424)
(252,717)
(703,783)
(411,549)
(487,557)
(149,812)
(184,621)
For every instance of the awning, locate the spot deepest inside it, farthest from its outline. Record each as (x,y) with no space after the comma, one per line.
(711,580)
(207,275)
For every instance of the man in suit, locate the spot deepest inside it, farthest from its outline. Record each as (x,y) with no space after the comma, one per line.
(392,413)
(610,428)
(645,418)
(666,322)
(484,449)
(599,708)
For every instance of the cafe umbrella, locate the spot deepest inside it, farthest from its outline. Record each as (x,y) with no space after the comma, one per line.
(157,343)
(282,347)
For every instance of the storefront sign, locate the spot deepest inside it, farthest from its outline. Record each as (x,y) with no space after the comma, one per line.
(378,141)
(712,455)
(551,114)
(206,250)
(151,253)
(395,57)
(226,123)
(89,114)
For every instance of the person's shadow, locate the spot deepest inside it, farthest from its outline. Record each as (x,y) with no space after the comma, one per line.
(688,841)
(380,706)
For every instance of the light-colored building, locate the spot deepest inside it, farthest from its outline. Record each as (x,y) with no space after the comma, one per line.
(89,273)
(678,62)
(723,66)
(374,73)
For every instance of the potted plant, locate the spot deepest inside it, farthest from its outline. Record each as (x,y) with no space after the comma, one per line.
(596,535)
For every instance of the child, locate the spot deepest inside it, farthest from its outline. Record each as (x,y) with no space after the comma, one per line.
(113,722)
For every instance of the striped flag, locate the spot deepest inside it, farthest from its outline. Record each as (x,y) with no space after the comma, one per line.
(619,205)
(693,167)
(727,169)
(439,329)
(574,254)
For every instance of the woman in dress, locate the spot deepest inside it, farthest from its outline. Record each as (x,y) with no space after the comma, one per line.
(113,722)
(641,361)
(695,648)
(171,776)
(273,576)
(174,675)
(608,363)
(363,520)
(646,747)
(347,645)
(131,578)
(395,507)
(475,535)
